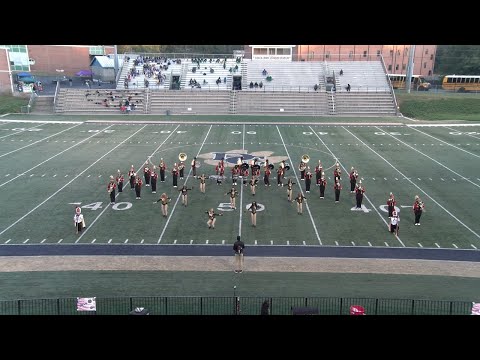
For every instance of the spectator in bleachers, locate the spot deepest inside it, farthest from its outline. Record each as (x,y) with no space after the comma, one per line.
(348,87)
(256,85)
(212,71)
(251,85)
(341,72)
(264,72)
(225,79)
(260,85)
(315,87)
(225,64)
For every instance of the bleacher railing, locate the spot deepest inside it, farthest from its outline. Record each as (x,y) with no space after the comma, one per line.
(390,86)
(234,305)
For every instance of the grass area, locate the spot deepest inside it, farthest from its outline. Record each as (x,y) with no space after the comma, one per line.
(28,285)
(445,106)
(12,104)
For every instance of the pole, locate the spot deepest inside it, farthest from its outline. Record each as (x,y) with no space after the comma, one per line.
(411,58)
(115,61)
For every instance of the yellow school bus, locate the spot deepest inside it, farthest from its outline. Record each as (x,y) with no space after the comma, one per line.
(461,83)
(418,82)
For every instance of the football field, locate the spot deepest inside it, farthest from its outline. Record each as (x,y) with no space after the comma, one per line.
(49,168)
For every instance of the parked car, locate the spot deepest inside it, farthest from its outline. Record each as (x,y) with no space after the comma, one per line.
(24,78)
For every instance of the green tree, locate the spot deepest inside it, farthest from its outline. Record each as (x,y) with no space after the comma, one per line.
(457,59)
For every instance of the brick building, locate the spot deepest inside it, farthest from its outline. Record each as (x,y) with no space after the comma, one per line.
(394,56)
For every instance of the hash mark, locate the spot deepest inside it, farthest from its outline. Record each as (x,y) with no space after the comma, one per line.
(26,241)
(59,241)
(41,242)
(54,175)
(420,245)
(438,246)
(109,241)
(94,240)
(126,241)
(369,243)
(191,242)
(6,242)
(336,243)
(304,243)
(386,244)
(288,242)
(255,242)
(271,242)
(353,243)
(456,247)
(206,241)
(141,242)
(473,246)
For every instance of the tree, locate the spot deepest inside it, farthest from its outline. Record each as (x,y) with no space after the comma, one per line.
(457,59)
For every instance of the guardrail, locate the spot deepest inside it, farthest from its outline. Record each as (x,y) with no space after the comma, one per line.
(236,305)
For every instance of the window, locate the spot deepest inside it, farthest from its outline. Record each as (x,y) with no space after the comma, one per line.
(12,63)
(476,80)
(426,51)
(431,56)
(96,50)
(271,51)
(284,51)
(404,66)
(327,55)
(424,65)
(390,67)
(260,51)
(429,72)
(350,54)
(378,52)
(365,53)
(396,67)
(391,52)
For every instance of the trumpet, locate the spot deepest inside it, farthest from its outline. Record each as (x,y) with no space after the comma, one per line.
(182,156)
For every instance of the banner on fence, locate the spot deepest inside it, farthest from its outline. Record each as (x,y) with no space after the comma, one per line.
(86,304)
(476,309)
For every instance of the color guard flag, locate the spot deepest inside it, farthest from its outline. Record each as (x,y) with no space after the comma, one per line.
(476,309)
(86,304)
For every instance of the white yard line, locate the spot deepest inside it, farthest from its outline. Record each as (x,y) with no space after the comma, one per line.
(299,185)
(185,183)
(439,163)
(64,186)
(18,132)
(23,147)
(346,171)
(418,187)
(456,147)
(54,156)
(241,189)
(126,184)
(45,122)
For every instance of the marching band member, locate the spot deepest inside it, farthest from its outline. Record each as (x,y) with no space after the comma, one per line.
(153,179)
(323,185)
(253,184)
(202,182)
(302,168)
(299,199)
(175,175)
(283,165)
(394,223)
(353,180)
(138,186)
(279,176)
(194,166)
(318,173)
(235,173)
(391,205)
(181,168)
(290,183)
(256,171)
(120,179)
(146,174)
(308,179)
(359,190)
(337,188)
(337,172)
(233,193)
(418,207)
(78,220)
(211,218)
(111,190)
(266,177)
(253,213)
(162,167)
(222,168)
(131,175)
(184,191)
(165,200)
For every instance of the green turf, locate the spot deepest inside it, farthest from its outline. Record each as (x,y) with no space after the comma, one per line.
(440,106)
(26,285)
(209,118)
(12,104)
(40,212)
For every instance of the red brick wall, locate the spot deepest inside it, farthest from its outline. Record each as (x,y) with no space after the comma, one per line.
(5,85)
(48,58)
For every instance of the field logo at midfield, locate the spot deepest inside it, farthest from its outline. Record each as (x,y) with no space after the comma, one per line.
(231,157)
